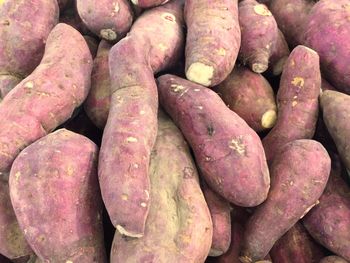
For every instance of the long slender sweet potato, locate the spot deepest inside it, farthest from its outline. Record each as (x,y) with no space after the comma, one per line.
(297,246)
(228,152)
(220,211)
(178,227)
(336,109)
(24,28)
(148,3)
(259,35)
(108,19)
(333,259)
(291,16)
(98,101)
(297,101)
(213,40)
(55,195)
(327,30)
(295,188)
(249,95)
(329,222)
(131,127)
(280,54)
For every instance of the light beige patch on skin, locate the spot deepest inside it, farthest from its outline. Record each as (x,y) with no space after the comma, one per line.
(177,88)
(29,85)
(298,82)
(237,145)
(262,10)
(124,197)
(17,175)
(70,170)
(108,34)
(131,139)
(135,2)
(162,47)
(69,261)
(294,103)
(124,232)
(116,7)
(143,204)
(200,73)
(268,119)
(221,51)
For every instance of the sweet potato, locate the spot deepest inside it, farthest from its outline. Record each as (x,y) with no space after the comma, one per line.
(131,127)
(228,152)
(55,195)
(325,85)
(108,19)
(249,95)
(178,227)
(329,222)
(297,101)
(71,17)
(295,188)
(148,3)
(297,246)
(335,109)
(220,211)
(280,54)
(333,259)
(291,16)
(24,28)
(259,35)
(213,40)
(98,101)
(326,31)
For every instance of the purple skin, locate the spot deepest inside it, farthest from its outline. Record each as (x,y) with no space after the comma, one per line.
(62,221)
(213,40)
(295,188)
(220,139)
(24,28)
(333,259)
(327,30)
(329,222)
(297,101)
(131,127)
(279,54)
(108,19)
(259,35)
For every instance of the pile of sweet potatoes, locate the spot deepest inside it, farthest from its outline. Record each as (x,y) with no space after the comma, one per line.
(174,131)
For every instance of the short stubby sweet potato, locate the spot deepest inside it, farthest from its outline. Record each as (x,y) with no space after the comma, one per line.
(259,35)
(327,30)
(47,97)
(251,96)
(24,28)
(336,109)
(178,228)
(228,152)
(55,195)
(148,3)
(333,259)
(213,40)
(297,246)
(97,103)
(297,101)
(280,54)
(295,188)
(131,128)
(291,16)
(108,19)
(329,222)
(12,242)
(220,211)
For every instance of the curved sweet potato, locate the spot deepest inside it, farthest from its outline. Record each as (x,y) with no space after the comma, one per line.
(295,189)
(24,28)
(55,195)
(228,152)
(178,227)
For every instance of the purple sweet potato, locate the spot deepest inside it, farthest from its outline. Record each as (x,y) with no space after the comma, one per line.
(295,188)
(327,30)
(333,259)
(213,40)
(336,109)
(259,35)
(148,3)
(108,19)
(131,127)
(220,211)
(178,227)
(24,28)
(290,16)
(249,95)
(297,246)
(280,54)
(98,101)
(55,195)
(297,101)
(329,222)
(71,17)
(228,152)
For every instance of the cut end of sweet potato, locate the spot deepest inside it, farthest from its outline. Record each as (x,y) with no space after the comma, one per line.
(108,34)
(215,252)
(200,73)
(259,67)
(262,10)
(268,119)
(124,232)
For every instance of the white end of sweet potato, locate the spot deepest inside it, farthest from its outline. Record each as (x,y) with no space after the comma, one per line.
(200,73)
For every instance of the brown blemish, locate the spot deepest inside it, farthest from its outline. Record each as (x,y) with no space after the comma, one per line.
(169,17)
